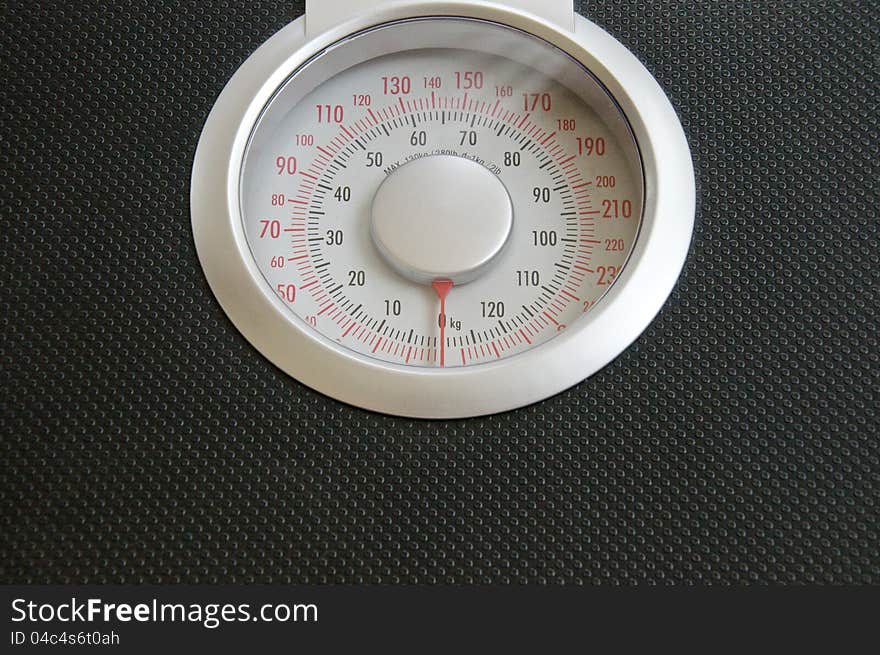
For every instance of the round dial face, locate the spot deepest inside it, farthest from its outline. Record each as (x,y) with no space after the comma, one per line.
(441,193)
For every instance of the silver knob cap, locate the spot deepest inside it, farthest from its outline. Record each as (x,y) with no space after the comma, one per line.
(441,217)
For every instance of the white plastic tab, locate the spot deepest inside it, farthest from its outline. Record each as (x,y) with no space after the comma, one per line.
(322,15)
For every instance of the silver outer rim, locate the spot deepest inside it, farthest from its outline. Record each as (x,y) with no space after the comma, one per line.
(587,346)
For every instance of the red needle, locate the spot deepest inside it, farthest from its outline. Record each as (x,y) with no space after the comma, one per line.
(442,287)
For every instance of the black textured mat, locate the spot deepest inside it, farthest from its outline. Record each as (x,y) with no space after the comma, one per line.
(143,440)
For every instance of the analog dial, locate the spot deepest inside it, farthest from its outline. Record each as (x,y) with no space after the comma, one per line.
(442,207)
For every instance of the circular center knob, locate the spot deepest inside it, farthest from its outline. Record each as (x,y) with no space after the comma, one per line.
(441,217)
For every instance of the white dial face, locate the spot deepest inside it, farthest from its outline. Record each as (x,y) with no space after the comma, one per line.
(443,205)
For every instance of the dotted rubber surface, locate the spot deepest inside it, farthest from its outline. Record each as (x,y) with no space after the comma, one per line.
(143,440)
